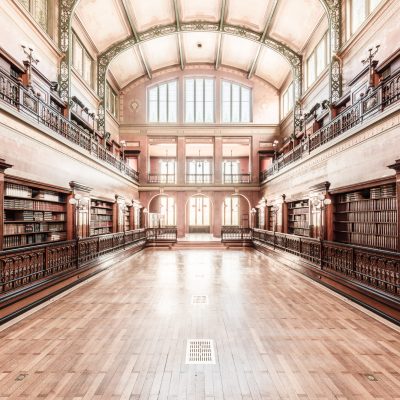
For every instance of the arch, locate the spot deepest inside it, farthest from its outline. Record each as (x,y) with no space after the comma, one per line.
(187,216)
(162,195)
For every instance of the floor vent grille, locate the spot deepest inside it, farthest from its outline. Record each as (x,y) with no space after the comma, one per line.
(199,300)
(200,351)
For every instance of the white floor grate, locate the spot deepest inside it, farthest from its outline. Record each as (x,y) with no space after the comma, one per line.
(199,300)
(200,351)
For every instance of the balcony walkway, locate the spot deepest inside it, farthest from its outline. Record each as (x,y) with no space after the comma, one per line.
(123,335)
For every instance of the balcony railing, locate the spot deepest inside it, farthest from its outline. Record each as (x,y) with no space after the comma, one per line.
(15,94)
(235,234)
(237,178)
(161,178)
(378,269)
(162,235)
(386,94)
(199,178)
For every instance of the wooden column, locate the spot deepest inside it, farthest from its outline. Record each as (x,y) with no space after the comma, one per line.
(3,167)
(329,218)
(266,223)
(396,167)
(84,211)
(131,218)
(285,216)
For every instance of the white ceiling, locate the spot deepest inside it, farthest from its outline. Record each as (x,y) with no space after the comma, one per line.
(292,23)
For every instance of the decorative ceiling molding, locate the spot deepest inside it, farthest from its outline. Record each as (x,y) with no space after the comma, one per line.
(218,55)
(179,37)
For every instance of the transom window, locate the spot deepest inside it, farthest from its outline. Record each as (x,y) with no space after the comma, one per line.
(39,11)
(357,12)
(287,100)
(81,61)
(111,101)
(199,100)
(318,60)
(230,211)
(236,103)
(163,102)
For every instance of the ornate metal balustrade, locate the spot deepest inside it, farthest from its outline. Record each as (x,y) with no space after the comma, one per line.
(161,178)
(162,235)
(378,269)
(386,94)
(237,178)
(199,178)
(235,234)
(13,93)
(23,266)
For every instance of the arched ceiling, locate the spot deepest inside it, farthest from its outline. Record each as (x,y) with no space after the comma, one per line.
(108,22)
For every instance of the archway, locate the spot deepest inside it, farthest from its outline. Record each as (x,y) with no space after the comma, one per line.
(161,211)
(199,214)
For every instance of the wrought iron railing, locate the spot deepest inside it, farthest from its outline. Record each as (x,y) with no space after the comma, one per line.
(237,178)
(161,178)
(15,94)
(160,235)
(379,269)
(20,267)
(386,94)
(199,178)
(235,234)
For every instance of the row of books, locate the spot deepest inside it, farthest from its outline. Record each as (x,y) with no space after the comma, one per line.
(299,224)
(29,216)
(100,231)
(368,240)
(32,205)
(298,211)
(12,229)
(16,190)
(368,229)
(37,238)
(299,204)
(100,211)
(300,217)
(97,224)
(98,203)
(101,217)
(300,232)
(368,216)
(378,205)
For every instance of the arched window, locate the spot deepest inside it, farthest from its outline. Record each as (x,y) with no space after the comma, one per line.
(39,11)
(231,211)
(357,12)
(167,211)
(236,103)
(162,102)
(199,100)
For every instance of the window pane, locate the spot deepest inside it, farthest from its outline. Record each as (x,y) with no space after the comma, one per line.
(162,103)
(311,69)
(172,101)
(209,100)
(77,56)
(321,56)
(235,103)
(87,73)
(199,100)
(373,4)
(40,12)
(226,102)
(153,105)
(245,115)
(290,97)
(358,13)
(189,100)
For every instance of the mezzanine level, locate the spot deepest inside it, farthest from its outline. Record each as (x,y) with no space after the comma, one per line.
(369,107)
(31,108)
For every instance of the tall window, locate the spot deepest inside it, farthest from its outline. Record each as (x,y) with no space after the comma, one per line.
(167,171)
(199,212)
(236,103)
(199,100)
(81,61)
(167,211)
(231,211)
(318,60)
(39,11)
(287,100)
(358,11)
(111,101)
(163,102)
(199,171)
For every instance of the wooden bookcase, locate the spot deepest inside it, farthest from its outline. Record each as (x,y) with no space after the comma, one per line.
(299,218)
(127,219)
(367,217)
(101,217)
(270,220)
(33,214)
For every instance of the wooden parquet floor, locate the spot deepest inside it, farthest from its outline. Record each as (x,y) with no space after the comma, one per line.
(123,335)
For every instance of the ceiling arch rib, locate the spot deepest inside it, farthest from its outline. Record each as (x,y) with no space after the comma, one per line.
(105,58)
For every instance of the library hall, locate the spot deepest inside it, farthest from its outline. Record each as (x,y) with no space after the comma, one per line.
(199,200)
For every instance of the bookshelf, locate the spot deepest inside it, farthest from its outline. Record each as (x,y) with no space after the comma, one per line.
(298,218)
(33,215)
(127,219)
(270,222)
(101,217)
(367,217)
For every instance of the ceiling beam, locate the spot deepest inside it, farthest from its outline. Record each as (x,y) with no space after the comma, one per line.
(267,27)
(135,34)
(178,29)
(221,29)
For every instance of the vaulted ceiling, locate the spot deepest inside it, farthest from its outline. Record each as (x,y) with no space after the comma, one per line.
(108,22)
